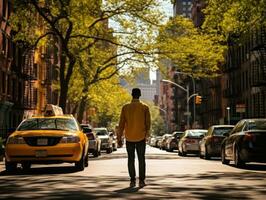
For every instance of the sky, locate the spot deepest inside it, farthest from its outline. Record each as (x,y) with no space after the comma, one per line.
(167,8)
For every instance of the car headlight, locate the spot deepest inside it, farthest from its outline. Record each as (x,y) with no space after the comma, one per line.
(70,139)
(16,140)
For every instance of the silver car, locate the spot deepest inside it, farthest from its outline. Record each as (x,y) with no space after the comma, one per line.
(189,141)
(106,140)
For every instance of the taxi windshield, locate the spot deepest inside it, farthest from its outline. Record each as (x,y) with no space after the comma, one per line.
(48,124)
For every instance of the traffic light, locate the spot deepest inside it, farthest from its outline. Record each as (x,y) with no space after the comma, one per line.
(198,99)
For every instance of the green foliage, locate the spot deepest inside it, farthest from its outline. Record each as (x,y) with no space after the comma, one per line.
(82,29)
(234,17)
(158,123)
(108,97)
(189,49)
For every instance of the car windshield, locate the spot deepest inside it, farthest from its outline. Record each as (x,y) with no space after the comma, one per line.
(196,133)
(220,131)
(48,124)
(100,132)
(257,125)
(177,134)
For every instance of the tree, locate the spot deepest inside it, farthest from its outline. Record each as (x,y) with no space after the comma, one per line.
(189,48)
(234,17)
(108,97)
(81,25)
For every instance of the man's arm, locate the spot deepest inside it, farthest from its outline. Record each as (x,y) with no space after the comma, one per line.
(147,122)
(121,128)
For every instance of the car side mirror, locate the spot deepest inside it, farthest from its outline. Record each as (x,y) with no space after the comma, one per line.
(87,130)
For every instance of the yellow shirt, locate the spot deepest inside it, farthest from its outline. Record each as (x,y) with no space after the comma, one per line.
(135,121)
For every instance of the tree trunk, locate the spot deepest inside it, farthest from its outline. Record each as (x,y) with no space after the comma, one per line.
(82,107)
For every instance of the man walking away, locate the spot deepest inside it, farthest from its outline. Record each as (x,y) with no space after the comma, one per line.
(135,124)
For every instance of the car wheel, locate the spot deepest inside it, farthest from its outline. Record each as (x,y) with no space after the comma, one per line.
(87,160)
(11,166)
(206,155)
(109,150)
(26,166)
(80,165)
(95,153)
(180,152)
(224,160)
(237,159)
(200,154)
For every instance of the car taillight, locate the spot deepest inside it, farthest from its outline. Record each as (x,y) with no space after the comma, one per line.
(215,139)
(16,140)
(70,139)
(249,137)
(189,141)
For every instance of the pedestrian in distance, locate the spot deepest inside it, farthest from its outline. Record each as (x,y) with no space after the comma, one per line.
(135,124)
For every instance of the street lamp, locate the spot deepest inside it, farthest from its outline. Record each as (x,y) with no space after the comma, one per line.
(228,114)
(188,97)
(194,91)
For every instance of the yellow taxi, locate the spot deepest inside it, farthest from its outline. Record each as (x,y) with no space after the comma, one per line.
(51,138)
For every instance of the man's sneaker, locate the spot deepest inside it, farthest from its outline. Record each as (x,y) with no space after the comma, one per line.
(132,184)
(141,184)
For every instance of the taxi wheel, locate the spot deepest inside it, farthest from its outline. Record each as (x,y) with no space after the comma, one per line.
(10,166)
(80,165)
(87,160)
(26,166)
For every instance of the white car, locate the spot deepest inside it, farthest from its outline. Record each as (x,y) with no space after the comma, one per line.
(106,140)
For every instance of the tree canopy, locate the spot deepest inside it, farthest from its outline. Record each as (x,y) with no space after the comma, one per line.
(234,17)
(189,48)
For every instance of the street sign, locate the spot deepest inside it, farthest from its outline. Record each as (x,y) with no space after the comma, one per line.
(187,113)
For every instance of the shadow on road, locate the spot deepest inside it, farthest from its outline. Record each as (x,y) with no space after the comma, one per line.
(53,183)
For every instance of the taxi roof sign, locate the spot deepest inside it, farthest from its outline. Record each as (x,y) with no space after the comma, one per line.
(53,110)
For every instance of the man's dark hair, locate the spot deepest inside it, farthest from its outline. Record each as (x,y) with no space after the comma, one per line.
(136,93)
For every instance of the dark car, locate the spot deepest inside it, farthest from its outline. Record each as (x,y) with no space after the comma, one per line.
(245,143)
(189,141)
(172,142)
(210,145)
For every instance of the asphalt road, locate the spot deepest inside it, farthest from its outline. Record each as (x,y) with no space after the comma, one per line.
(168,176)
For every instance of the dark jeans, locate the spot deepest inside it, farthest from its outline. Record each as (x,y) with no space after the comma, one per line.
(140,147)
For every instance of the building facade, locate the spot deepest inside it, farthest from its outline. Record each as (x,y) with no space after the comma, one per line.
(26,76)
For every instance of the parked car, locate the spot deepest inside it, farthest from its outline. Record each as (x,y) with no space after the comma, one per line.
(172,142)
(51,138)
(106,140)
(158,141)
(245,143)
(210,145)
(152,142)
(189,141)
(114,139)
(94,141)
(163,141)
